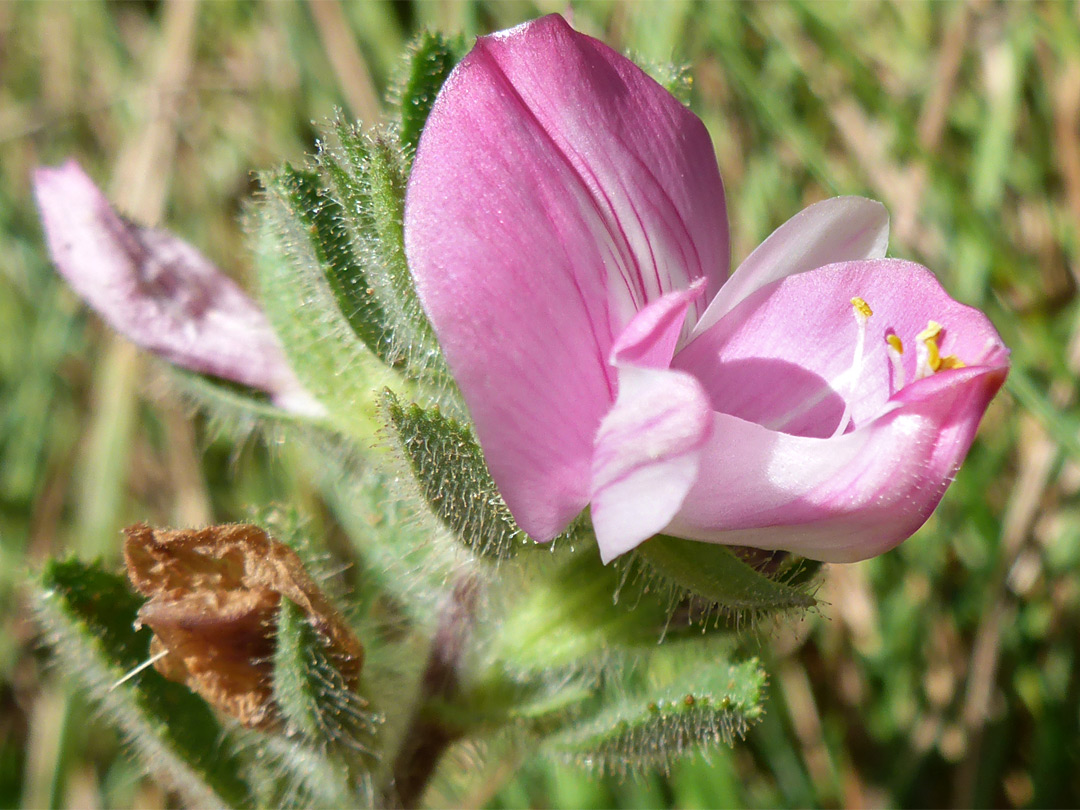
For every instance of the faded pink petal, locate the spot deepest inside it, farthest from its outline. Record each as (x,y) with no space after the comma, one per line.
(159,291)
(556,190)
(840,229)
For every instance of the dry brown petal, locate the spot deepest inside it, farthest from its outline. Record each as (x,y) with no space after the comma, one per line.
(213,603)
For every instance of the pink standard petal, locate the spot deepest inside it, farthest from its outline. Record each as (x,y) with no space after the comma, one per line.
(159,291)
(840,229)
(647,161)
(555,191)
(842,499)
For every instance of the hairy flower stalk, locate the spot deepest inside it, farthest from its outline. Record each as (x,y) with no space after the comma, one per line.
(566,229)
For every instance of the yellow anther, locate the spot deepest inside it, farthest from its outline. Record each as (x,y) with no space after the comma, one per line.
(932,330)
(928,337)
(933,358)
(895,341)
(950,361)
(861,307)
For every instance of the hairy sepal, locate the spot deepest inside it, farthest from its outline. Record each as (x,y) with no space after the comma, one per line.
(315,700)
(686,702)
(675,78)
(368,173)
(726,584)
(565,612)
(326,354)
(453,479)
(287,772)
(430,59)
(323,215)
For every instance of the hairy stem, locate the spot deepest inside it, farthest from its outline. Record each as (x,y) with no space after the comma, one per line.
(428,737)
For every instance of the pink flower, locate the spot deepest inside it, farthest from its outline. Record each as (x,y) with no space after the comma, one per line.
(566,229)
(160,292)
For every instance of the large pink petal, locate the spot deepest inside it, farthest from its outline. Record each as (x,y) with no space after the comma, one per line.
(555,191)
(159,291)
(840,229)
(783,358)
(647,161)
(842,499)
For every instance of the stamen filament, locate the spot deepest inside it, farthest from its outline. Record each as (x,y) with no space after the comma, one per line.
(862,315)
(895,352)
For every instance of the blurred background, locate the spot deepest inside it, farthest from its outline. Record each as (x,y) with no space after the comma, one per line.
(942,674)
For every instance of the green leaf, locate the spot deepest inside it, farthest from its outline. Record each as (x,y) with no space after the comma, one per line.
(89,615)
(431,58)
(369,176)
(676,79)
(688,702)
(454,481)
(714,573)
(324,219)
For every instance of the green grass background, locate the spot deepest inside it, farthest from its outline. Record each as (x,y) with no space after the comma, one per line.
(942,674)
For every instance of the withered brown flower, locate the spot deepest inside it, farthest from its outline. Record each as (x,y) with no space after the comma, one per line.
(214,595)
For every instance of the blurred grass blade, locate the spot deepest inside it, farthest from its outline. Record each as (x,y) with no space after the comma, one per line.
(1062,425)
(1003,65)
(89,615)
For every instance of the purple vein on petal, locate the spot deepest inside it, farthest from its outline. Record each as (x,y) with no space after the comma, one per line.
(627,262)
